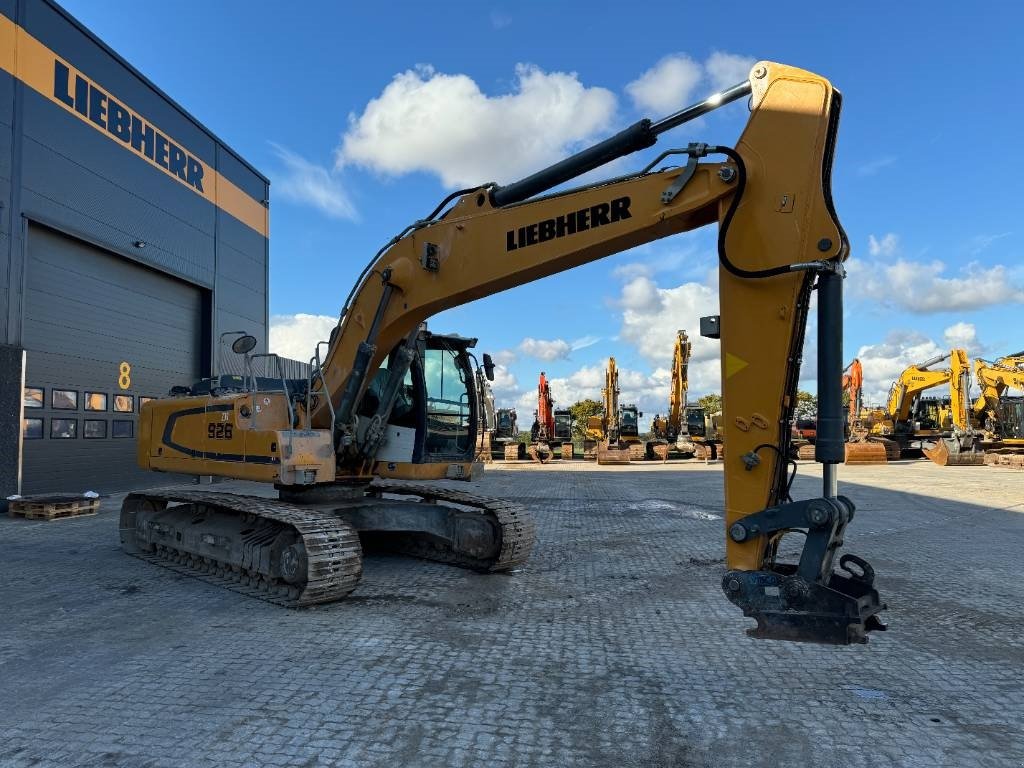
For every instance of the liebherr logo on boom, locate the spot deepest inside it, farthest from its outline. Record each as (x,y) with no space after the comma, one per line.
(569,224)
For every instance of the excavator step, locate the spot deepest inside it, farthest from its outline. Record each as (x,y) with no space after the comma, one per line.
(865,453)
(947,453)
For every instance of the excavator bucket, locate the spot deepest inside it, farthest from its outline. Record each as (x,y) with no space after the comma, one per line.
(865,453)
(567,451)
(612,455)
(948,453)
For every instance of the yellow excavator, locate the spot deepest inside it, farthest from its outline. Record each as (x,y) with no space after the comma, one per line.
(945,444)
(390,406)
(670,431)
(609,428)
(961,446)
(1000,416)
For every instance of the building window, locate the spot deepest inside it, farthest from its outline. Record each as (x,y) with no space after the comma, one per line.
(34,397)
(121,428)
(32,429)
(94,429)
(64,399)
(63,429)
(124,403)
(95,401)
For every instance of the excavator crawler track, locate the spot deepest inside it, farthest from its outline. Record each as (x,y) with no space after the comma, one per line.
(515,527)
(327,546)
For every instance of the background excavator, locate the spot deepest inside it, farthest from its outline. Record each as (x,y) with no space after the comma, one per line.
(607,428)
(947,444)
(550,427)
(670,431)
(1000,416)
(391,405)
(960,447)
(505,440)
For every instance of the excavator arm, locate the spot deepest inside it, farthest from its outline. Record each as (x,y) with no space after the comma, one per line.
(610,398)
(779,238)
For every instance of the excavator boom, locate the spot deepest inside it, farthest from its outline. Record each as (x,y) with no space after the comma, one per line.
(779,238)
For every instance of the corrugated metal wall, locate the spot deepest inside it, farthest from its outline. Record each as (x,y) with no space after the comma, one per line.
(60,173)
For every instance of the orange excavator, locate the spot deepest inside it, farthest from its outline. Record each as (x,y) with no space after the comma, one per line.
(861,446)
(549,427)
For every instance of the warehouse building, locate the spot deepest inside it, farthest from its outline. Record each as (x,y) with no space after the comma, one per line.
(131,237)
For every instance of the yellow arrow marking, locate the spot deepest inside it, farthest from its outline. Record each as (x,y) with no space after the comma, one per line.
(733,365)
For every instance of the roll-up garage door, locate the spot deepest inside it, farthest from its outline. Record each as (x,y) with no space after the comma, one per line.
(101,334)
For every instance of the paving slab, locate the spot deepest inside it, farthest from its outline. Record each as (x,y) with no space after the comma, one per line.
(614,646)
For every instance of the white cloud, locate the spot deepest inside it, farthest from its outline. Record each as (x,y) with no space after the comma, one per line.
(871,167)
(583,342)
(504,357)
(308,183)
(888,245)
(505,385)
(963,335)
(444,124)
(500,19)
(554,349)
(920,286)
(727,69)
(668,85)
(885,361)
(980,243)
(296,336)
(651,315)
(672,83)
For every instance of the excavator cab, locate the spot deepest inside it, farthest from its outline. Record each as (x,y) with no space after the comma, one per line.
(436,415)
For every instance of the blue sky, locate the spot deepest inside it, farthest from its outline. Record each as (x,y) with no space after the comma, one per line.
(365,115)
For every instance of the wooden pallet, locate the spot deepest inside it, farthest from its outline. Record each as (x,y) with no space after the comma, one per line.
(52,507)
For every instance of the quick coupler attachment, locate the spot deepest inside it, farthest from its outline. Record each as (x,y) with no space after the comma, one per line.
(807,601)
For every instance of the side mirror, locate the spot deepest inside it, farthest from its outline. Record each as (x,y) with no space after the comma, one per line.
(641,414)
(243,345)
(488,367)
